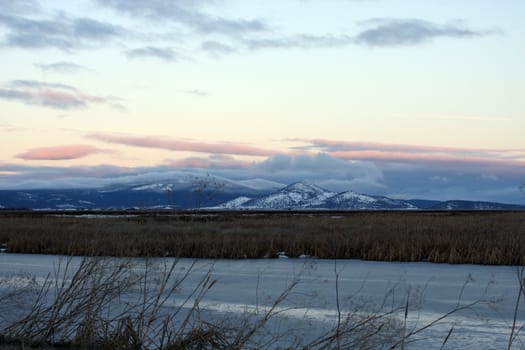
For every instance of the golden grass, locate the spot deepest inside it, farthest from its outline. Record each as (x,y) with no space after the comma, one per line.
(446,237)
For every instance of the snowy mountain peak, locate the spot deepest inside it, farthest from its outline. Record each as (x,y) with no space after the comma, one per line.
(233,204)
(304,187)
(297,195)
(304,195)
(353,200)
(258,194)
(156,187)
(351,196)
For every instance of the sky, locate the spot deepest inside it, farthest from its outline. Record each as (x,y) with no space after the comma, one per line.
(405,98)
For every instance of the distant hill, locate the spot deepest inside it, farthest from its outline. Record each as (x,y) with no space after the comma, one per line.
(223,194)
(302,195)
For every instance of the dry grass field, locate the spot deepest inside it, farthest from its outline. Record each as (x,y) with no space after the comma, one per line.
(481,237)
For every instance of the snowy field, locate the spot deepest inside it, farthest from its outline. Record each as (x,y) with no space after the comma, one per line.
(251,286)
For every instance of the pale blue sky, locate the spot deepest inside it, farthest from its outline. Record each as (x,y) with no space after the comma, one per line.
(228,85)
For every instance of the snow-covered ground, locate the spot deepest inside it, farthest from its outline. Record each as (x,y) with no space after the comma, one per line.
(250,286)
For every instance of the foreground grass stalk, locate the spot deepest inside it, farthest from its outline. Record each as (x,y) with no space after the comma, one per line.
(108,303)
(520,272)
(338,306)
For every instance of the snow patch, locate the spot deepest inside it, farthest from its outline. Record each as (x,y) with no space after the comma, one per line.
(282,255)
(154,187)
(234,203)
(350,195)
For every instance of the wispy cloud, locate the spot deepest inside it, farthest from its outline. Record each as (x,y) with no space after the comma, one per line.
(379,33)
(331,145)
(471,159)
(36,84)
(401,180)
(17,176)
(304,41)
(8,127)
(61,67)
(449,161)
(186,13)
(20,6)
(321,168)
(196,92)
(183,145)
(216,48)
(61,31)
(163,53)
(65,152)
(53,95)
(472,118)
(218,35)
(404,32)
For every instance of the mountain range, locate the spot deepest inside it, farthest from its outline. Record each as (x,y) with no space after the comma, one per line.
(302,195)
(208,192)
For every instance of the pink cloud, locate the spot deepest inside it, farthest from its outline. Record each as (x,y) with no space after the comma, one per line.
(184,145)
(437,156)
(65,152)
(377,146)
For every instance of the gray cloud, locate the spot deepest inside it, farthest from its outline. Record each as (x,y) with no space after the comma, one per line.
(61,32)
(61,67)
(442,184)
(53,95)
(230,26)
(33,30)
(474,161)
(398,32)
(322,168)
(381,33)
(20,6)
(163,53)
(216,48)
(26,177)
(304,41)
(90,29)
(396,180)
(12,94)
(186,13)
(36,84)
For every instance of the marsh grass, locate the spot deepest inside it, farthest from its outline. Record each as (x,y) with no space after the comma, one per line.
(496,238)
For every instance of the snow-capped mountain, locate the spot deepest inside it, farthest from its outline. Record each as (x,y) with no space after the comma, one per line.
(234,203)
(472,205)
(206,192)
(194,182)
(298,195)
(182,191)
(303,195)
(353,200)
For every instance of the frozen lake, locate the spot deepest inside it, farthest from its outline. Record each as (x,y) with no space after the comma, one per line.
(249,286)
